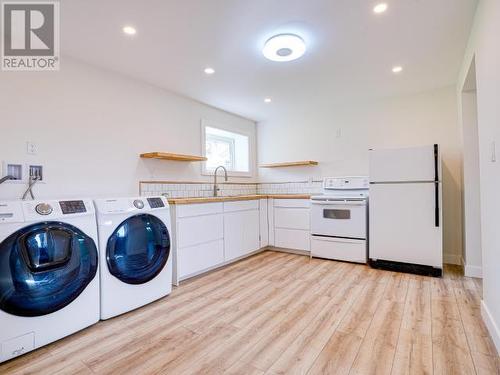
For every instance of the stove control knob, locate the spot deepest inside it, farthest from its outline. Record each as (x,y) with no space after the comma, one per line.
(43,209)
(139,204)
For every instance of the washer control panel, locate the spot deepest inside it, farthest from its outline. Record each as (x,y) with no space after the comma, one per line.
(72,207)
(43,209)
(139,204)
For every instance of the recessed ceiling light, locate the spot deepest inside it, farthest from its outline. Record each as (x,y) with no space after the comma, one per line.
(380,8)
(129,30)
(397,69)
(268,100)
(284,47)
(209,71)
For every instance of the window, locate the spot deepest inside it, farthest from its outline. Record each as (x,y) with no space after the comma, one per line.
(226,148)
(219,150)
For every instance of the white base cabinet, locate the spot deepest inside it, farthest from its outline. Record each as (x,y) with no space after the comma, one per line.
(241,228)
(198,238)
(291,224)
(208,235)
(191,260)
(292,239)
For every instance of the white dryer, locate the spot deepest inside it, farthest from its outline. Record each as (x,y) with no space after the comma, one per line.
(136,256)
(49,286)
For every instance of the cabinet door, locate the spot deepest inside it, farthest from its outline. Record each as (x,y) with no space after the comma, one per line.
(233,223)
(270,221)
(194,259)
(241,233)
(264,225)
(199,229)
(251,229)
(291,218)
(292,239)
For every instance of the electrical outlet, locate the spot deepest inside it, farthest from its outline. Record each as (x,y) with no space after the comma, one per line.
(31,148)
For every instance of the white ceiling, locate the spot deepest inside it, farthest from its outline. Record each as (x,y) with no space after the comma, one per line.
(350,49)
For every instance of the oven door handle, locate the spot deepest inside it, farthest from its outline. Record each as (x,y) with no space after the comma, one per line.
(339,203)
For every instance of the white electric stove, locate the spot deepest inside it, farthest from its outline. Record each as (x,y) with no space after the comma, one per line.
(339,219)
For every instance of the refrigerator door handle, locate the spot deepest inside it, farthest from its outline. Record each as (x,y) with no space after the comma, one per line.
(436,185)
(437,204)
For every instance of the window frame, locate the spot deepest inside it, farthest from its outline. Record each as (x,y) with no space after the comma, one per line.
(209,172)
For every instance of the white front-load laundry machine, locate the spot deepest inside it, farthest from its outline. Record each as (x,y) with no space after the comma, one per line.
(135,258)
(49,282)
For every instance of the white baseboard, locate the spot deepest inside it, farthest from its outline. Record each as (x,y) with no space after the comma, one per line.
(452,259)
(491,325)
(473,271)
(291,251)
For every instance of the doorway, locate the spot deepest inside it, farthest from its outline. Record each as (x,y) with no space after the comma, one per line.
(471,177)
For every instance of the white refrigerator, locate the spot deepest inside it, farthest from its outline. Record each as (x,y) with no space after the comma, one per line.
(405,212)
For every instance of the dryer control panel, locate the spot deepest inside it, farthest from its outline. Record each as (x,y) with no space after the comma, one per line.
(155,203)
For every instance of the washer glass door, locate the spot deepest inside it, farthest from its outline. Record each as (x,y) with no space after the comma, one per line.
(138,249)
(44,267)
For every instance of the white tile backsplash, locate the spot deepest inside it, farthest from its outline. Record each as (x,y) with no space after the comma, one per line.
(178,190)
(193,190)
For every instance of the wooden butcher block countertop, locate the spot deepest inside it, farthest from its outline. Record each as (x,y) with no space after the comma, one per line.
(236,198)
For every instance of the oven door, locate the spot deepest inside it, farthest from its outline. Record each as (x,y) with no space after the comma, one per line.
(342,218)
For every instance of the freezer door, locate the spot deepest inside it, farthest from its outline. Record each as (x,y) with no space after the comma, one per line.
(404,164)
(402,224)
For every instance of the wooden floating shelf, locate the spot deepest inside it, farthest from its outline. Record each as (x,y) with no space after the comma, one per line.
(170,156)
(290,164)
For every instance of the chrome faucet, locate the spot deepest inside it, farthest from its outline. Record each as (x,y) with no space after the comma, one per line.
(216,188)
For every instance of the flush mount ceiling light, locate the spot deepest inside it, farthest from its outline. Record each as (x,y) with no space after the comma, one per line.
(129,30)
(284,47)
(397,69)
(267,100)
(209,71)
(380,8)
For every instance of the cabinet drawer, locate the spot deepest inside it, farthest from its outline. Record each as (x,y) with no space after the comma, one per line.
(339,249)
(199,229)
(292,239)
(292,218)
(304,203)
(241,205)
(185,210)
(194,259)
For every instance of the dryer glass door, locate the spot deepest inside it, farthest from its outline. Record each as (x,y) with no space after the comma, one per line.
(138,249)
(44,267)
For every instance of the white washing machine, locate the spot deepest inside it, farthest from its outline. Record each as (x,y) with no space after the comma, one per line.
(49,286)
(136,256)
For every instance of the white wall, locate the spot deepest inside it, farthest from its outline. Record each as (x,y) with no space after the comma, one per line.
(484,47)
(90,126)
(384,123)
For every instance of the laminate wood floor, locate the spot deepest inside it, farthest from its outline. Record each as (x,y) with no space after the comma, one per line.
(278,313)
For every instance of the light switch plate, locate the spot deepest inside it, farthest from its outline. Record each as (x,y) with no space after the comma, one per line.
(31,148)
(493,152)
